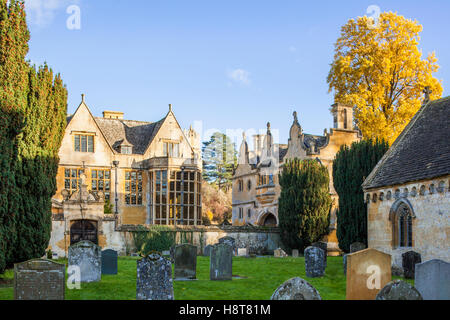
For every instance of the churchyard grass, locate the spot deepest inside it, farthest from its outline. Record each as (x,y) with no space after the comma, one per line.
(261,276)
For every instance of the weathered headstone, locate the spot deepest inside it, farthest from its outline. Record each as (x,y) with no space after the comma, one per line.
(109,261)
(39,279)
(398,290)
(314,262)
(357,246)
(432,279)
(409,261)
(368,271)
(185,261)
(207,250)
(88,257)
(344,259)
(242,252)
(295,253)
(228,240)
(323,246)
(296,289)
(279,253)
(221,264)
(154,278)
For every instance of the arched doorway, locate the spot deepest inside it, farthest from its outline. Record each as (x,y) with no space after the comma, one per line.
(83,230)
(269,220)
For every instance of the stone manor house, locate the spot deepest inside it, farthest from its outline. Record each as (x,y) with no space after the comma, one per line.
(256,188)
(115,173)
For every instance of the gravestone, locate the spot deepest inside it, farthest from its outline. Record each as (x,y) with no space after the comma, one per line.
(368,271)
(314,262)
(230,241)
(109,261)
(398,290)
(207,250)
(344,259)
(88,257)
(242,252)
(154,278)
(296,289)
(323,246)
(295,253)
(432,279)
(221,264)
(185,262)
(39,279)
(279,253)
(357,246)
(409,261)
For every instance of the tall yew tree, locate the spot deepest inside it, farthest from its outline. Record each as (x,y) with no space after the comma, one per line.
(350,167)
(33,107)
(304,204)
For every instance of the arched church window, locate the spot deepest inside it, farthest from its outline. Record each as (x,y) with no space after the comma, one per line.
(403,226)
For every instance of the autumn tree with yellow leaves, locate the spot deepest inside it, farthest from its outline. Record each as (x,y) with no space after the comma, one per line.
(378,69)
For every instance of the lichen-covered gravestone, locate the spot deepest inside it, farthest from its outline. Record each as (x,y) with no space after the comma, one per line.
(154,278)
(207,250)
(398,290)
(185,261)
(109,261)
(432,279)
(323,246)
(314,262)
(296,289)
(368,271)
(357,246)
(39,279)
(88,257)
(221,263)
(409,261)
(230,241)
(294,253)
(279,253)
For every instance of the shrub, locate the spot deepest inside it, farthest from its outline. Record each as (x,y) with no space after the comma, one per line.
(153,238)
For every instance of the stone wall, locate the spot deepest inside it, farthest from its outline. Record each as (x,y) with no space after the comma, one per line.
(430,203)
(257,240)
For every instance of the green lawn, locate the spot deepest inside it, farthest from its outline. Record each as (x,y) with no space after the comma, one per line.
(263,276)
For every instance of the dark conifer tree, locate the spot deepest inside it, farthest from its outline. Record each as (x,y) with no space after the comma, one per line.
(33,106)
(350,167)
(304,204)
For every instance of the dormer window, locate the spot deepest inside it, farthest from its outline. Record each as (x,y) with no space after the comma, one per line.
(84,143)
(126,149)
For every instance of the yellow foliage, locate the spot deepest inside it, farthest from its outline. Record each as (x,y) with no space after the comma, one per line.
(380,71)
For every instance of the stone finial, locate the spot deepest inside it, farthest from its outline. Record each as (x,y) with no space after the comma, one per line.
(170,107)
(82,97)
(427,91)
(295,116)
(243,136)
(268,126)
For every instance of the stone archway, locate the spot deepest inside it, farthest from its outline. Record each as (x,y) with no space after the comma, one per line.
(83,230)
(268,219)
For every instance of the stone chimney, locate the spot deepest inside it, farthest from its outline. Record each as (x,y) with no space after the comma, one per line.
(113,115)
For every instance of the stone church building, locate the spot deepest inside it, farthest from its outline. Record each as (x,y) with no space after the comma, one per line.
(255,182)
(116,173)
(408,190)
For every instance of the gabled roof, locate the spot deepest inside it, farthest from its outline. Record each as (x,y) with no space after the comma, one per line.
(421,151)
(138,133)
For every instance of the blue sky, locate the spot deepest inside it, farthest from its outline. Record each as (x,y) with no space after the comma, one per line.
(230,64)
